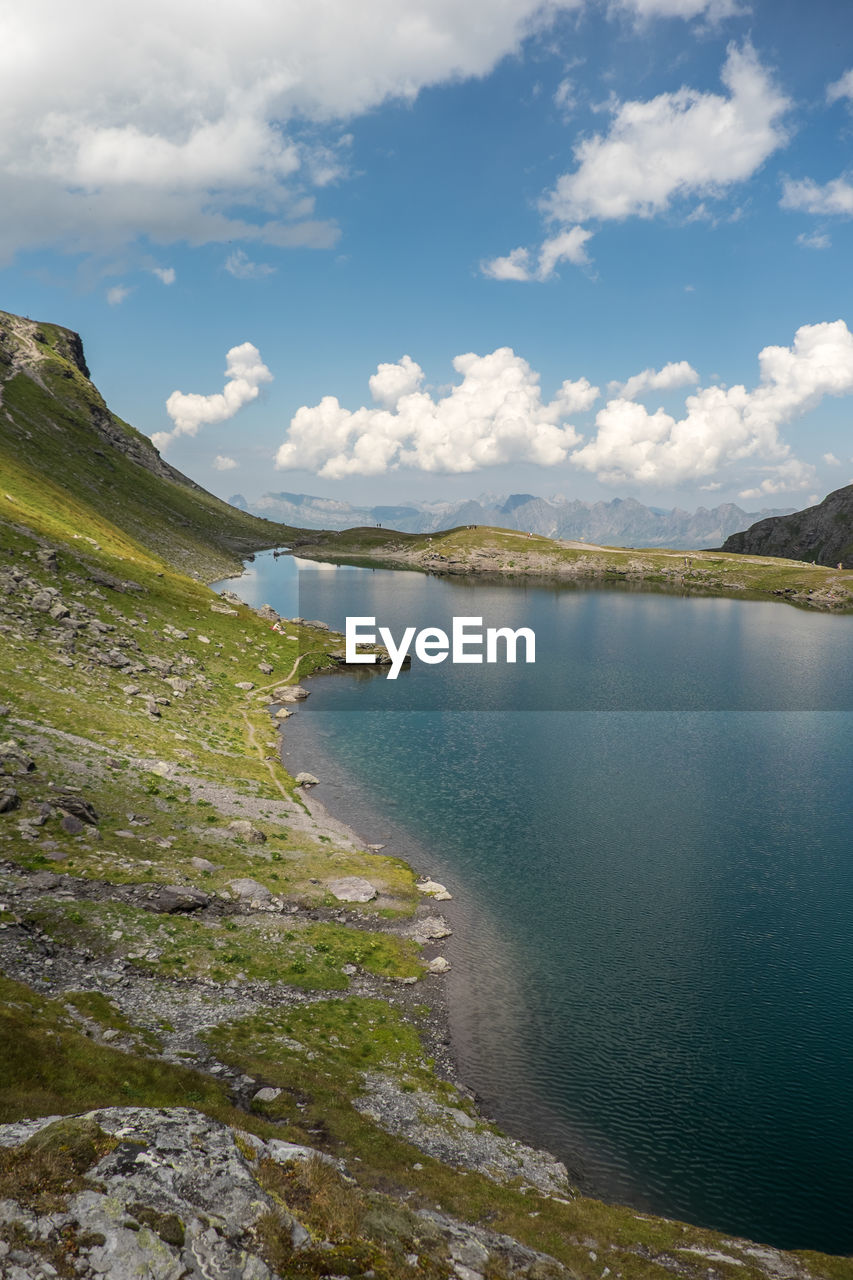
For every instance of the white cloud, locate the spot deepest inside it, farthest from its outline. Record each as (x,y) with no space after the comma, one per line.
(515,266)
(671,375)
(678,144)
(786,478)
(831,460)
(726,425)
(391,382)
(494,415)
(833,197)
(104,138)
(165,274)
(239,264)
(117,294)
(564,97)
(565,246)
(245,371)
(675,146)
(713,10)
(223,463)
(841,88)
(814,240)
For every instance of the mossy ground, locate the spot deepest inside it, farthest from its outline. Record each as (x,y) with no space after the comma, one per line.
(263,948)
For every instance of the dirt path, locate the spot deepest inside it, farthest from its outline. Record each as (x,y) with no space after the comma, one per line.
(251,733)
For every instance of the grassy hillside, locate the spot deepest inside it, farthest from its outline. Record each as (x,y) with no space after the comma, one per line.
(62,452)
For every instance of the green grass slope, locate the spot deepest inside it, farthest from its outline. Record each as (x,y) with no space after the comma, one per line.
(61,449)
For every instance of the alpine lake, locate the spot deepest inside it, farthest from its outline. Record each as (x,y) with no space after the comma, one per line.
(647,834)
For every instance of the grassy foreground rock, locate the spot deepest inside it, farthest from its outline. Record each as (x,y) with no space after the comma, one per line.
(209,1064)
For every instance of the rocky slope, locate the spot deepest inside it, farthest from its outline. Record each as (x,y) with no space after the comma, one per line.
(821,534)
(61,446)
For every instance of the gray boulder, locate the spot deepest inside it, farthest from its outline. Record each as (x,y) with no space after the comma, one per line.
(174,898)
(13,759)
(247,831)
(249,890)
(9,799)
(353,889)
(76,805)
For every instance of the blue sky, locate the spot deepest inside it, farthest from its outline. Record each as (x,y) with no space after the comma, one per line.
(534,205)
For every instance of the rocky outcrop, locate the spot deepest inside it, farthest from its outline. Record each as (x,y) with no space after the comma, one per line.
(459,1138)
(147,1193)
(174,1195)
(822,534)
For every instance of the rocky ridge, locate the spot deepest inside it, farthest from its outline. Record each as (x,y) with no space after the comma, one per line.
(822,534)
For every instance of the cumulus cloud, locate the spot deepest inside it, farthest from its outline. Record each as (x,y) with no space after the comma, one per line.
(831,460)
(246,373)
(166,275)
(240,265)
(117,294)
(671,375)
(726,425)
(105,138)
(678,144)
(496,414)
(834,197)
(391,382)
(223,463)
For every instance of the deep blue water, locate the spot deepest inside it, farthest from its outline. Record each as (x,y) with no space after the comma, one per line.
(653,881)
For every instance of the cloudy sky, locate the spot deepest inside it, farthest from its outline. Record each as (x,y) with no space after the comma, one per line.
(413,248)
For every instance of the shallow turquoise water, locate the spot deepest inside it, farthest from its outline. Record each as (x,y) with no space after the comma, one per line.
(653,882)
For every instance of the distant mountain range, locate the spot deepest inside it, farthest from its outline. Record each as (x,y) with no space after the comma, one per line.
(621,522)
(823,533)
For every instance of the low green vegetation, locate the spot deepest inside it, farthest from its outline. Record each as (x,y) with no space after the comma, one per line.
(49,1067)
(95,1007)
(244,948)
